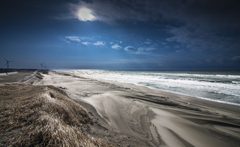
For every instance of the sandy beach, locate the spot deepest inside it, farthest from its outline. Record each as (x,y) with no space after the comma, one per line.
(138,116)
(116,113)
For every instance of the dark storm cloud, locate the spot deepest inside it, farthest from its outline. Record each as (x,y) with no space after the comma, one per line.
(129,48)
(28,10)
(236,59)
(211,11)
(196,25)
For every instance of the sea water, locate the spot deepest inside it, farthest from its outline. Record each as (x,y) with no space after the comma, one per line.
(220,86)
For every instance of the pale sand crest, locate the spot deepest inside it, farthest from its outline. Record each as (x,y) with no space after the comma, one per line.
(152,117)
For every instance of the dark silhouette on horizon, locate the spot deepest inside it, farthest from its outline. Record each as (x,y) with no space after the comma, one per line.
(41,65)
(7,63)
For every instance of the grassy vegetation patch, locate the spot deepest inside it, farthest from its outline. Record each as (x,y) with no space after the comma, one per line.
(42,116)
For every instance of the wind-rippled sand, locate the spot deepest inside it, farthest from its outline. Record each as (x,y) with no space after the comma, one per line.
(140,116)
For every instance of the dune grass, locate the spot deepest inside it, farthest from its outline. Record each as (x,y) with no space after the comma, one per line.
(42,116)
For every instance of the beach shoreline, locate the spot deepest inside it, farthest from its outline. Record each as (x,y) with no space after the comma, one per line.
(125,114)
(152,116)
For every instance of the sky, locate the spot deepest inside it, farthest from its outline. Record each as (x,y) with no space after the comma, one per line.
(120,34)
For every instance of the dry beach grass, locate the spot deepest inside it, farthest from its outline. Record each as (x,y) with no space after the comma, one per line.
(42,116)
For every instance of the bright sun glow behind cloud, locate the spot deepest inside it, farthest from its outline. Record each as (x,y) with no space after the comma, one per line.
(85,14)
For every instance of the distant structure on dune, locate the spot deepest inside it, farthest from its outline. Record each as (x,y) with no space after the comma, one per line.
(7,63)
(41,65)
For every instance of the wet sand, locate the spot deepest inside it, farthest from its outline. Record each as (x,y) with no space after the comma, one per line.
(139,116)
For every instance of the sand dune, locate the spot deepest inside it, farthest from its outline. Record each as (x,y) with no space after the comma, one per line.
(152,117)
(43,116)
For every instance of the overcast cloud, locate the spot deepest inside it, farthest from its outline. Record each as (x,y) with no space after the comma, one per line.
(197,25)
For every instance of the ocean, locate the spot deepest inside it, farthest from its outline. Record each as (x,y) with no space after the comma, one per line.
(219,86)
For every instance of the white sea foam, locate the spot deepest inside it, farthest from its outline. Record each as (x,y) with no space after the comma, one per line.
(215,86)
